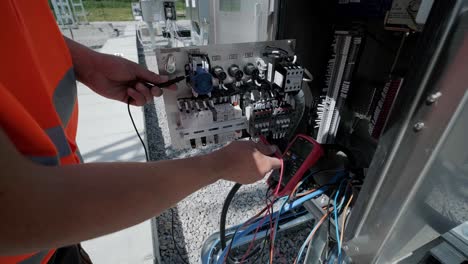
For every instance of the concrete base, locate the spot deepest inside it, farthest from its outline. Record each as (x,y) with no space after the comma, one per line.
(105,134)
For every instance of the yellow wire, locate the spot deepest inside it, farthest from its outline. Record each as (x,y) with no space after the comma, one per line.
(316,229)
(344,219)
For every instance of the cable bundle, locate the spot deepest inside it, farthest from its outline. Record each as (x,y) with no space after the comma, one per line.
(267,222)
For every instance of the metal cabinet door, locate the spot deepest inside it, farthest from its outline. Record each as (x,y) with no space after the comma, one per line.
(417,185)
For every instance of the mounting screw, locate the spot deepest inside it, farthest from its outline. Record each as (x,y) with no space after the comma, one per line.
(418,126)
(356,248)
(322,198)
(433,98)
(465,230)
(345,247)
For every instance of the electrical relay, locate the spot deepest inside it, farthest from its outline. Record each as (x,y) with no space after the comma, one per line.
(288,76)
(229,93)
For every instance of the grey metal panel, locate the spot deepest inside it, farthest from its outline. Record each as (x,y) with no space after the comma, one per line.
(223,55)
(414,190)
(446,254)
(204,11)
(246,21)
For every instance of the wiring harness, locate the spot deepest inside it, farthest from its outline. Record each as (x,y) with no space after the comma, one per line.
(266,223)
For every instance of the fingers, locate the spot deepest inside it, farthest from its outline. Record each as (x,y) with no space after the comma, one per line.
(154,78)
(275,163)
(149,76)
(142,94)
(265,149)
(138,98)
(145,92)
(156,91)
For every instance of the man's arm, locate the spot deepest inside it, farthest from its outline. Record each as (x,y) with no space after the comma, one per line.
(114,77)
(45,207)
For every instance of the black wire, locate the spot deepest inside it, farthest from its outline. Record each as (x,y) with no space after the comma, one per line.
(222,229)
(346,151)
(147,159)
(285,52)
(136,130)
(352,167)
(328,208)
(222,222)
(260,252)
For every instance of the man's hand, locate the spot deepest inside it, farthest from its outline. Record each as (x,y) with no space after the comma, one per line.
(244,162)
(114,77)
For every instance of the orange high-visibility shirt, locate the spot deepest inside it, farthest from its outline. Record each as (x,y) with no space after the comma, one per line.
(38,109)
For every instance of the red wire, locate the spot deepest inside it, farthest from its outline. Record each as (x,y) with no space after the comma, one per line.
(280,178)
(272,230)
(272,226)
(249,222)
(272,246)
(255,236)
(279,156)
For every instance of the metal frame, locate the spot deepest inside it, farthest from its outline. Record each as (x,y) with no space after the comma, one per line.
(63,12)
(393,215)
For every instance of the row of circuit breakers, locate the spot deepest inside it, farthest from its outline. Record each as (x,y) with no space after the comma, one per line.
(231,91)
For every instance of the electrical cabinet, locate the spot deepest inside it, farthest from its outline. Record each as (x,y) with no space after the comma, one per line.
(385,79)
(414,77)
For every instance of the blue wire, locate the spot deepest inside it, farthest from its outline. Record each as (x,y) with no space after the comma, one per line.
(308,176)
(331,257)
(241,233)
(277,220)
(335,213)
(333,180)
(301,251)
(336,208)
(284,203)
(287,207)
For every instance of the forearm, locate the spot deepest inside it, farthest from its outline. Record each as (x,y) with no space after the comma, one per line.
(64,205)
(83,59)
(45,207)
